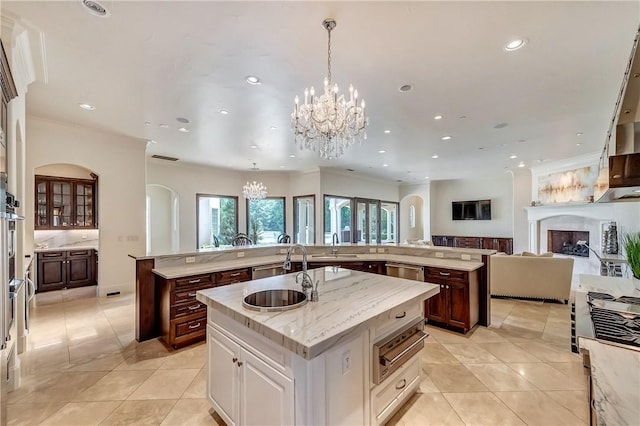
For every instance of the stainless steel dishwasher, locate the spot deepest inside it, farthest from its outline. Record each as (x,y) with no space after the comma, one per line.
(267,271)
(409,272)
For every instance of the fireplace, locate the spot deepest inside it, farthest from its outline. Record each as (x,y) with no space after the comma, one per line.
(565,242)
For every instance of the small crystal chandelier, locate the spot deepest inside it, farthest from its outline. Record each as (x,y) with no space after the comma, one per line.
(329,123)
(255,190)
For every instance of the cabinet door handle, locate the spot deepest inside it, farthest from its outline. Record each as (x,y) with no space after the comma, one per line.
(445,274)
(239,363)
(235,274)
(400,386)
(194,307)
(192,295)
(234,360)
(194,326)
(402,315)
(194,281)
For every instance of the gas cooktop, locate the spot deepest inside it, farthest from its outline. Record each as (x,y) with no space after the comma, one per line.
(615,319)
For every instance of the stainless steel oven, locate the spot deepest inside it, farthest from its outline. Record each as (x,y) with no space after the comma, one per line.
(391,353)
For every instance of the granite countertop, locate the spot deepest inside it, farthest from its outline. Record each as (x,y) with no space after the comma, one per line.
(66,248)
(171,272)
(349,302)
(416,247)
(616,382)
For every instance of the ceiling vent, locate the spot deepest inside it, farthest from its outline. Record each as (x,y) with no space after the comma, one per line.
(95,8)
(164,157)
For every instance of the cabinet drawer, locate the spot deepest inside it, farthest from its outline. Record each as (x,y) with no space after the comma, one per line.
(180,311)
(77,253)
(449,274)
(195,279)
(233,276)
(193,326)
(51,254)
(396,319)
(187,294)
(394,386)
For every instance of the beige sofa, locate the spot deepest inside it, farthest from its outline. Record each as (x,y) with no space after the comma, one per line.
(531,277)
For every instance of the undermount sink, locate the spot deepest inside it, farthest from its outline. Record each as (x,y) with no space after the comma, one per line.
(274,300)
(333,256)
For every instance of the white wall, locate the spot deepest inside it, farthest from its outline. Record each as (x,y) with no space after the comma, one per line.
(188,179)
(120,164)
(498,189)
(521,200)
(336,182)
(160,219)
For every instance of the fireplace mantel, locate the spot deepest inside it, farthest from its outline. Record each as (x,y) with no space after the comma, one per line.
(595,211)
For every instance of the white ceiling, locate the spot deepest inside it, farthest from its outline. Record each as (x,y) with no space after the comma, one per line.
(155,61)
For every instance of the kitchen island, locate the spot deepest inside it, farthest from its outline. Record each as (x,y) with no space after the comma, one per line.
(313,364)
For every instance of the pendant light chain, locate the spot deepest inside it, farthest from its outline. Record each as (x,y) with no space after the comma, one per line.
(329,55)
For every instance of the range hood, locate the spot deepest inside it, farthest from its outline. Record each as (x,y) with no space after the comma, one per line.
(619,168)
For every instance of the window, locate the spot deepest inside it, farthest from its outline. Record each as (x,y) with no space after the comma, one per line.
(304,219)
(265,220)
(216,216)
(337,218)
(374,221)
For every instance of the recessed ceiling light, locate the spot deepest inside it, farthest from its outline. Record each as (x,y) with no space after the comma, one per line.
(578,144)
(426,177)
(405,88)
(463,117)
(164,126)
(252,79)
(95,8)
(437,117)
(522,140)
(579,134)
(382,151)
(147,123)
(500,125)
(446,138)
(282,167)
(292,156)
(434,156)
(272,128)
(521,165)
(513,156)
(223,111)
(385,165)
(183,130)
(387,131)
(253,146)
(183,120)
(515,44)
(480,148)
(88,107)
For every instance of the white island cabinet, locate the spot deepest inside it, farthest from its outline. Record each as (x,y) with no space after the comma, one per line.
(313,364)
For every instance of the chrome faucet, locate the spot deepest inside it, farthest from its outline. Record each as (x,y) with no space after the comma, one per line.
(334,241)
(305,281)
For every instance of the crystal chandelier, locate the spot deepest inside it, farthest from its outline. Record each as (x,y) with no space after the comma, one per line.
(255,190)
(329,123)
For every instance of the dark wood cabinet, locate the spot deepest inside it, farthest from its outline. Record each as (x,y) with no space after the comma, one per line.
(182,318)
(65,203)
(490,243)
(66,269)
(457,304)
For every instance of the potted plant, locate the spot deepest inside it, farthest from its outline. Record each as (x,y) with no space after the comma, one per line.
(631,243)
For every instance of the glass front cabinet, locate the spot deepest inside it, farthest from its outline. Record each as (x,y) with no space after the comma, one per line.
(65,203)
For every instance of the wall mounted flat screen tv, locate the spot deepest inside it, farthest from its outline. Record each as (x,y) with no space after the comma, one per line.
(471,210)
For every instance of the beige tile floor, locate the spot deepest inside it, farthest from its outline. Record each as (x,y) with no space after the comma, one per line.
(84,367)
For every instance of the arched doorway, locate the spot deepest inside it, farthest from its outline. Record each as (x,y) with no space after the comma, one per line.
(163,233)
(412,213)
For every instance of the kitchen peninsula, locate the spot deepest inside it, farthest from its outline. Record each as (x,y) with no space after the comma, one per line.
(311,364)
(446,266)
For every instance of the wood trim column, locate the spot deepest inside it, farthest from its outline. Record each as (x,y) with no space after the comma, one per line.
(485,292)
(146,326)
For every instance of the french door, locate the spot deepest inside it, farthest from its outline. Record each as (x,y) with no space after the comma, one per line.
(367,220)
